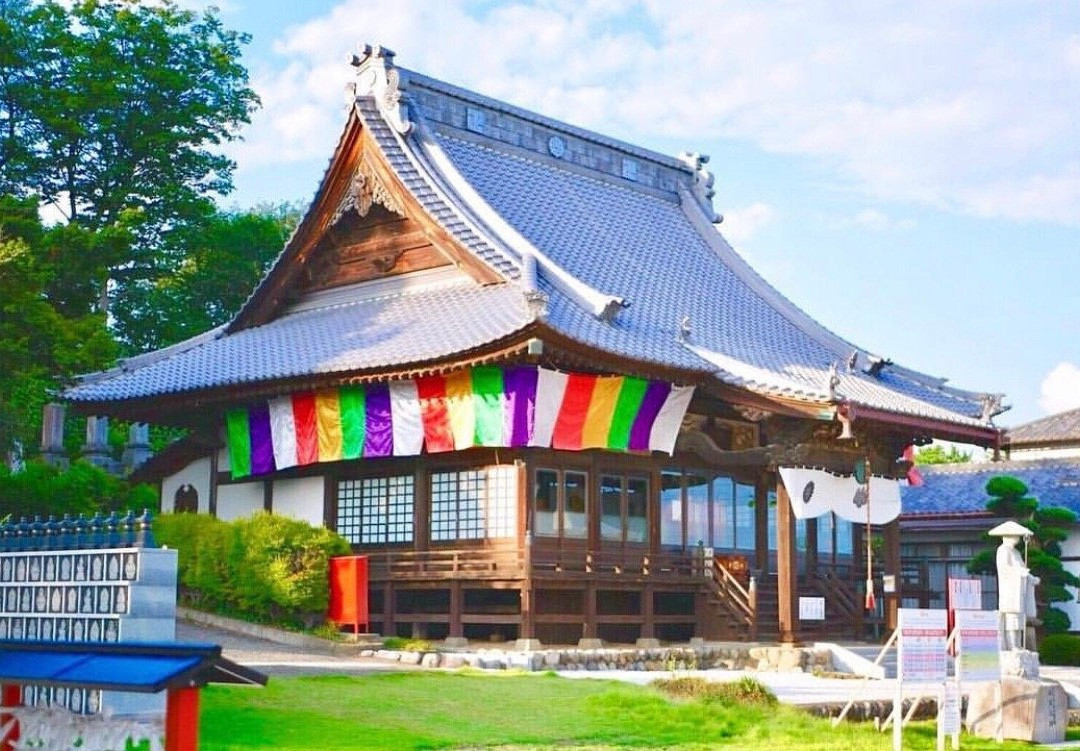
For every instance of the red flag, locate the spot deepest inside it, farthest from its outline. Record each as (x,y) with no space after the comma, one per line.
(914,476)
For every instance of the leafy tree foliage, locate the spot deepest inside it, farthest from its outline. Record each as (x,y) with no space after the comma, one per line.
(938,454)
(1050,527)
(207,269)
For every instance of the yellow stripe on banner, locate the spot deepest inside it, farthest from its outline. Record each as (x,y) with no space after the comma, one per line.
(601,411)
(328,426)
(459,403)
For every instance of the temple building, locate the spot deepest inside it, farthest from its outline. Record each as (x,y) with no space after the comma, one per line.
(516,363)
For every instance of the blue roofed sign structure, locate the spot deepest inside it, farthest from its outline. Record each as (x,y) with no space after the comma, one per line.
(531,229)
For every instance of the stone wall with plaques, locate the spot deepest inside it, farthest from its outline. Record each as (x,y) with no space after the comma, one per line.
(89,595)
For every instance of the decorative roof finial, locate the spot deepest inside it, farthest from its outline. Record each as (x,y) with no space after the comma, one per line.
(703,183)
(377,77)
(684,329)
(834,381)
(991,406)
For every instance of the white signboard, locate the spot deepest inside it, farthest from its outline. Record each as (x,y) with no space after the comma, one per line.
(811,608)
(965,594)
(923,635)
(949,710)
(978,644)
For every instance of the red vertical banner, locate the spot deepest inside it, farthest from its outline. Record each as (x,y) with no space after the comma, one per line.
(349,592)
(10,696)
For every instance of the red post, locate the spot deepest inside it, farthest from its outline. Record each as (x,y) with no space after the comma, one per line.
(182,720)
(10,696)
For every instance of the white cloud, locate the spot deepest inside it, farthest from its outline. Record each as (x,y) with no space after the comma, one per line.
(743,222)
(876,221)
(1060,388)
(962,109)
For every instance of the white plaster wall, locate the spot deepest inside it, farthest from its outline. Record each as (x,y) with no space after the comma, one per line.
(239,500)
(197,475)
(1070,548)
(300,498)
(223,460)
(1064,452)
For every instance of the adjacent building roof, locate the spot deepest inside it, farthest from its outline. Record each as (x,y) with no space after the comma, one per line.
(619,241)
(1061,428)
(954,489)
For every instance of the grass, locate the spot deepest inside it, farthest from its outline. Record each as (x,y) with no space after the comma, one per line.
(469,709)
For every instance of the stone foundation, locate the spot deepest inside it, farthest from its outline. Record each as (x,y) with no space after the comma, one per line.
(697,657)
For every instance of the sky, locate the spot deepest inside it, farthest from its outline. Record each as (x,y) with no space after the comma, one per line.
(906,172)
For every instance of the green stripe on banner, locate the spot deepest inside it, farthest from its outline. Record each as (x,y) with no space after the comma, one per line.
(487,388)
(631,395)
(353,421)
(239,438)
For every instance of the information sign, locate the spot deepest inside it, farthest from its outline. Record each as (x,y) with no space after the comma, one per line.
(949,711)
(979,643)
(965,594)
(923,636)
(811,608)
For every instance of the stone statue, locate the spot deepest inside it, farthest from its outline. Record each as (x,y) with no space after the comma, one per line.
(1016,585)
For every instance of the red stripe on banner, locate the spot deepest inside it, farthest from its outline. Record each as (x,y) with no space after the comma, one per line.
(438,435)
(572,413)
(307,435)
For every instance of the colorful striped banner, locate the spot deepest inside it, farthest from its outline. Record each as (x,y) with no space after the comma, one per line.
(487,405)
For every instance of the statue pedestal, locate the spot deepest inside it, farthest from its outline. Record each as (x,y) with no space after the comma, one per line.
(1034,711)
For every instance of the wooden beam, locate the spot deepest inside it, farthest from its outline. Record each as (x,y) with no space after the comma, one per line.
(761,524)
(892,566)
(786,569)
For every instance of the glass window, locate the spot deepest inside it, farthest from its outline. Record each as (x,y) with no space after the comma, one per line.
(697,509)
(374,510)
(637,505)
(844,537)
(575,495)
(611,507)
(771,522)
(744,516)
(546,503)
(671,516)
(723,498)
(800,535)
(474,504)
(825,535)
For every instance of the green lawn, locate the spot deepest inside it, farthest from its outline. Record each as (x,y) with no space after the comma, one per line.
(417,710)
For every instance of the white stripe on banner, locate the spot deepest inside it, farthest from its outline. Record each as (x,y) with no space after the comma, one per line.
(665,429)
(550,388)
(283,431)
(814,492)
(405,418)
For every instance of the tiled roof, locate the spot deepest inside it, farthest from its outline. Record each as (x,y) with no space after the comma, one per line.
(1060,428)
(368,333)
(961,488)
(621,221)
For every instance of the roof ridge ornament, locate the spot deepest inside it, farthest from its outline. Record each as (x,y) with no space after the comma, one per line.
(702,189)
(365,188)
(377,77)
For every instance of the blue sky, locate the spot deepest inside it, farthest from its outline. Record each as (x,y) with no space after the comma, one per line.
(908,172)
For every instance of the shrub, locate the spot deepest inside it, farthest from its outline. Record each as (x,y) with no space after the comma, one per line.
(1060,649)
(404,644)
(746,690)
(1055,621)
(263,568)
(42,489)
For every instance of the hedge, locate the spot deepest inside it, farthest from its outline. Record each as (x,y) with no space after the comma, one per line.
(43,490)
(1060,649)
(265,568)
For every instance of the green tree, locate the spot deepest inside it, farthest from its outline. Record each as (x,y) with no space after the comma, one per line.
(1050,527)
(115,111)
(46,335)
(938,454)
(207,269)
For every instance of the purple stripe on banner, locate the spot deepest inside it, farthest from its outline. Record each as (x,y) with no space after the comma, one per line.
(379,429)
(519,385)
(656,394)
(262,442)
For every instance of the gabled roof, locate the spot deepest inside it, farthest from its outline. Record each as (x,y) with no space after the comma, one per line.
(961,488)
(1057,429)
(619,241)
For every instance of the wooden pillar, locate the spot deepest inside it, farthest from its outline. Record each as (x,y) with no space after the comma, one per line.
(589,631)
(421,508)
(10,696)
(648,627)
(389,628)
(761,525)
(892,566)
(268,495)
(527,629)
(182,720)
(786,568)
(212,501)
(457,596)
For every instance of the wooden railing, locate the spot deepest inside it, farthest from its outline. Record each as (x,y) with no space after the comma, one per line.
(478,563)
(738,601)
(841,595)
(614,563)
